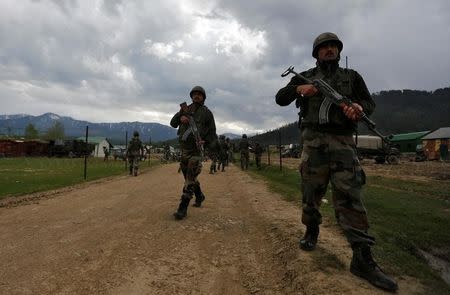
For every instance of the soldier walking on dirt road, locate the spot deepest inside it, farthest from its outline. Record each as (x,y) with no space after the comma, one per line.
(329,154)
(135,152)
(191,145)
(243,149)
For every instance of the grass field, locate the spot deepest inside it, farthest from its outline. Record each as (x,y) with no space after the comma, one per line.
(405,217)
(20,176)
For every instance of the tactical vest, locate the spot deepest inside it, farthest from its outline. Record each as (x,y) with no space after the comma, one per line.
(201,115)
(341,81)
(135,147)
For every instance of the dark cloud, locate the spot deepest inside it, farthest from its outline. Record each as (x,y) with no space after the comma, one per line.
(137,60)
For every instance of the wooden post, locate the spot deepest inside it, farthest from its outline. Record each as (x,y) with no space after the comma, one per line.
(85,153)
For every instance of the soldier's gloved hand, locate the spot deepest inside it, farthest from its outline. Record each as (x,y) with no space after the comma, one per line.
(307,90)
(353,111)
(184,119)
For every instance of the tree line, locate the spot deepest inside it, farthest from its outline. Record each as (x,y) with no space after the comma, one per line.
(55,132)
(397,111)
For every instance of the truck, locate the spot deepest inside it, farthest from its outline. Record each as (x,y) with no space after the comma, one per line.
(373,147)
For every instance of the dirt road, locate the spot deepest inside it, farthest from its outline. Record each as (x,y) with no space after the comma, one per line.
(118,236)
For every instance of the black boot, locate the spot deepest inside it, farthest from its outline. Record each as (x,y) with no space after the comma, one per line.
(365,267)
(309,241)
(199,196)
(182,208)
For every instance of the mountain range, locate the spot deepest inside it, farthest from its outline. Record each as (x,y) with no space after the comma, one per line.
(115,132)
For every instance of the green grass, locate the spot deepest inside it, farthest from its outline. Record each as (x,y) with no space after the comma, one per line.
(404,216)
(20,176)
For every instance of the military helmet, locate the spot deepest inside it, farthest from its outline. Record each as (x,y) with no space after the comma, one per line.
(244,135)
(136,134)
(326,37)
(198,89)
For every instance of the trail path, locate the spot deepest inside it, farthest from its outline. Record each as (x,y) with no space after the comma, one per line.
(118,236)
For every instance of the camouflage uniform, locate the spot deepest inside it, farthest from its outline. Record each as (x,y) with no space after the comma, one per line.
(223,153)
(134,153)
(106,153)
(258,150)
(329,155)
(213,166)
(243,148)
(191,160)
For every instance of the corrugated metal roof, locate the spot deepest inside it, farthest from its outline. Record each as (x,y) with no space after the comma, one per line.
(443,132)
(409,136)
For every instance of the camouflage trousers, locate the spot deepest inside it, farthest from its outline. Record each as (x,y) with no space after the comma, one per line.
(332,158)
(133,161)
(191,166)
(244,160)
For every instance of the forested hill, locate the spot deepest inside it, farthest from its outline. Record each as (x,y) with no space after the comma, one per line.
(397,111)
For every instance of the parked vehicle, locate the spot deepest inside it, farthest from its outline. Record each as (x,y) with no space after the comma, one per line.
(69,148)
(372,147)
(292,151)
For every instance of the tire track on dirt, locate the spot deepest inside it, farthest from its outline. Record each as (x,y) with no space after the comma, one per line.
(119,237)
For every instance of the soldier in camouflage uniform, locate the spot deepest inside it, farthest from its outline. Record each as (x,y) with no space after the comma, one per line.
(191,160)
(213,166)
(135,152)
(243,148)
(258,150)
(223,153)
(329,155)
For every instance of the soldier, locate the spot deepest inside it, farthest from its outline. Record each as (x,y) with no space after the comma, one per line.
(223,153)
(105,153)
(213,166)
(258,150)
(230,150)
(243,148)
(134,153)
(329,154)
(191,157)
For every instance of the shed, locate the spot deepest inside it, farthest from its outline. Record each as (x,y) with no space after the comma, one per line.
(436,144)
(407,142)
(99,143)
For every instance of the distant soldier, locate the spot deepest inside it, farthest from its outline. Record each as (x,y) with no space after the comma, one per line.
(191,143)
(166,152)
(213,166)
(258,150)
(134,153)
(223,153)
(230,150)
(106,153)
(243,149)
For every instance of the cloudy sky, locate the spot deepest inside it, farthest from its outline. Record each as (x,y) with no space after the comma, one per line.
(136,60)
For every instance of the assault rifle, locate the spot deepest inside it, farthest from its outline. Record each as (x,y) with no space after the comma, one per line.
(333,97)
(192,129)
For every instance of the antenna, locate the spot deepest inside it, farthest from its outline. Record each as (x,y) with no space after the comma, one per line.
(346,62)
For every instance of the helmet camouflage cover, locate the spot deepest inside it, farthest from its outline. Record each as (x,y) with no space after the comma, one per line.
(198,89)
(326,37)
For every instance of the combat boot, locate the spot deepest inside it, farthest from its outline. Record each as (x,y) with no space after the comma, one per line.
(364,266)
(309,240)
(198,200)
(182,208)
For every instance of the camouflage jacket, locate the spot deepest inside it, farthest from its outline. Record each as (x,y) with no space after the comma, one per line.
(345,81)
(135,147)
(206,125)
